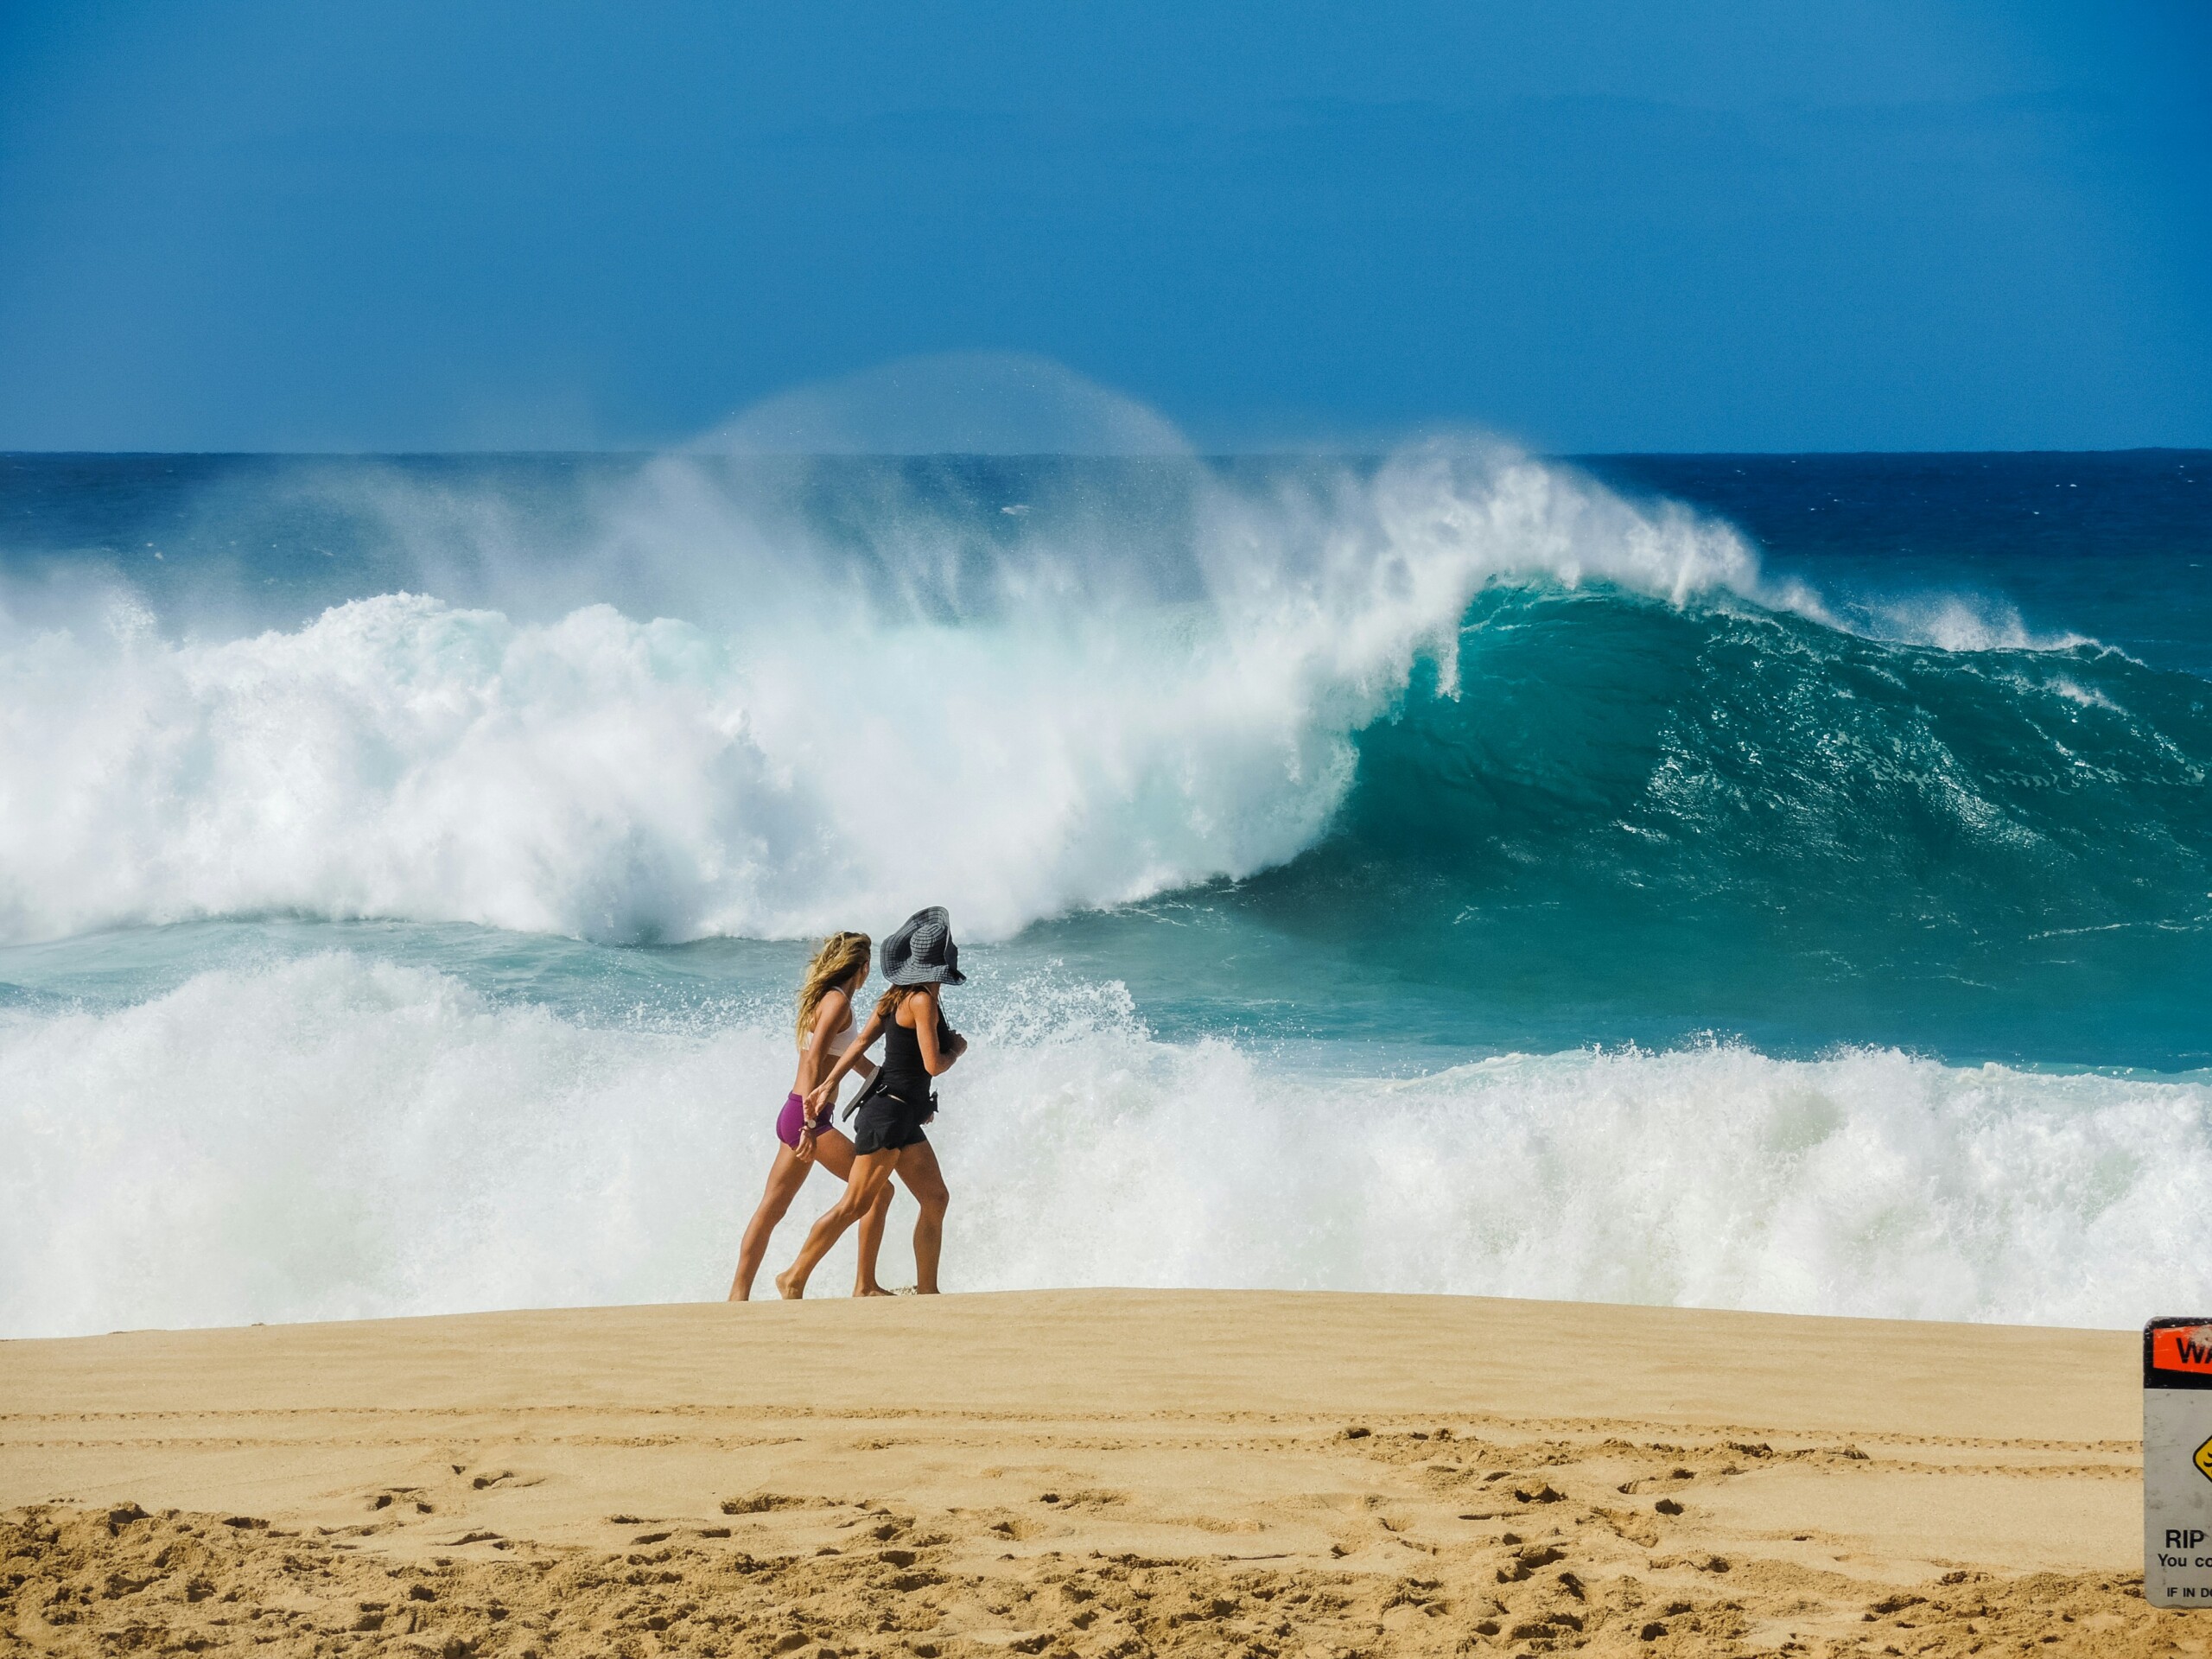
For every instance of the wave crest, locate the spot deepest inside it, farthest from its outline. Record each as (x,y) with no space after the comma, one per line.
(1054,727)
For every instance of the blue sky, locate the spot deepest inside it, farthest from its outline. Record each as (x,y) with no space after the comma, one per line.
(1593,227)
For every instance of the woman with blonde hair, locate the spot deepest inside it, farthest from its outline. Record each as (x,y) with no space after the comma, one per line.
(825,1027)
(919,1046)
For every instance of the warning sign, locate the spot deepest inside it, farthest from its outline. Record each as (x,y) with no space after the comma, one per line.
(2183,1347)
(2178,1462)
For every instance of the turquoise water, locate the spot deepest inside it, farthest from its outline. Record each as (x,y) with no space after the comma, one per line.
(1764,882)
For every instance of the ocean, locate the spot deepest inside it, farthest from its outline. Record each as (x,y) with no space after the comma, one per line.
(1778,882)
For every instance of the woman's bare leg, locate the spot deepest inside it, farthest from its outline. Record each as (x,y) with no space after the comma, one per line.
(871,1243)
(786,1176)
(918,1168)
(871,1175)
(835,1153)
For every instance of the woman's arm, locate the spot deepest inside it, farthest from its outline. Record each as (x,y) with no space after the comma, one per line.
(936,1061)
(818,1096)
(831,1015)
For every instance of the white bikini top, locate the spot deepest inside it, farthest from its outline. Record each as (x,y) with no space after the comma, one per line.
(838,1044)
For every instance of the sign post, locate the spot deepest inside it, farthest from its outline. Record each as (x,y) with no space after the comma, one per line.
(2178,1462)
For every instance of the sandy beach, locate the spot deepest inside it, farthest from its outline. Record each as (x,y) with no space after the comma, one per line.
(1086,1472)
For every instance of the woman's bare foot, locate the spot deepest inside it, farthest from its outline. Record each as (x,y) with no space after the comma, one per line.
(870,1290)
(790,1289)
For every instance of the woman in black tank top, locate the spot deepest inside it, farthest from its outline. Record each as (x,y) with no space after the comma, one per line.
(902,1085)
(919,1047)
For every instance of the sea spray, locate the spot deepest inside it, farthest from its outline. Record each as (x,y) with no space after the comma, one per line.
(1072,737)
(1086,710)
(340,1136)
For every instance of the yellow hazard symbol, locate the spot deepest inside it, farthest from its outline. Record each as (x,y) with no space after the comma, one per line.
(2203,1459)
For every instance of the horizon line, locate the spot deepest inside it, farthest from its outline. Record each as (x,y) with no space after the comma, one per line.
(1349,453)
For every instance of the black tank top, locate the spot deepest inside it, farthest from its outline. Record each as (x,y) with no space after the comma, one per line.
(902,1072)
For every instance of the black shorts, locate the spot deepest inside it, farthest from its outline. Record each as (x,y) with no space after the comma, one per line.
(887,1124)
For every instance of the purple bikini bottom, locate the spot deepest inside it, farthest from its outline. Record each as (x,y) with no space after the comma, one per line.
(791,1121)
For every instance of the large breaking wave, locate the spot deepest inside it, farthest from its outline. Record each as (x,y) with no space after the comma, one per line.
(1089,712)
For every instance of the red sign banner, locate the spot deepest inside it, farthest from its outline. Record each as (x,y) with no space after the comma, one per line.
(2184,1348)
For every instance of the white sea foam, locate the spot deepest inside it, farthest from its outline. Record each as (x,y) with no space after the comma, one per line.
(1955,622)
(1074,733)
(340,1136)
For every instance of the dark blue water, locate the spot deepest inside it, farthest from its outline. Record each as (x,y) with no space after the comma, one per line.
(2118,545)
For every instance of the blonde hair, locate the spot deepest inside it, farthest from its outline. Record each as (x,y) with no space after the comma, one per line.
(833,964)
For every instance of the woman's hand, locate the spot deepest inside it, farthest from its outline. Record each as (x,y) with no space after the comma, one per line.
(805,1150)
(817,1099)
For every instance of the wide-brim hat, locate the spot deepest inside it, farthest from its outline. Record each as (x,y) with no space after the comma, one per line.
(921,951)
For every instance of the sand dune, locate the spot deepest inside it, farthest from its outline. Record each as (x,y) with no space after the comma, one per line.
(1080,1473)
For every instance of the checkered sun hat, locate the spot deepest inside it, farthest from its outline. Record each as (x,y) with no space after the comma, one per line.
(921,951)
